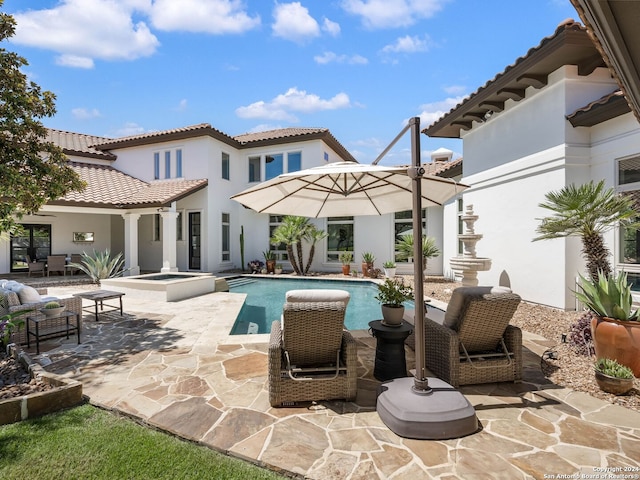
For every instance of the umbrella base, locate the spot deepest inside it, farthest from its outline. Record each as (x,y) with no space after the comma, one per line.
(444,413)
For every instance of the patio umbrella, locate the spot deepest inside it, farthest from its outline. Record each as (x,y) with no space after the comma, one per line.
(353,189)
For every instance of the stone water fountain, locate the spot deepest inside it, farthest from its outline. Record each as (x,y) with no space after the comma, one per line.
(468,263)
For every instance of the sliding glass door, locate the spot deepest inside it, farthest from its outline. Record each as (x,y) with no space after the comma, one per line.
(34,241)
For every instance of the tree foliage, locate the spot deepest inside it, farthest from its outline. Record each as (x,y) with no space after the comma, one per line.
(587,211)
(33,171)
(292,232)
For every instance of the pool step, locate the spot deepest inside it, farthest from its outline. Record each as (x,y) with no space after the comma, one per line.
(236,282)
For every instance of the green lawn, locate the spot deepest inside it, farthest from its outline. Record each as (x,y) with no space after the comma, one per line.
(88,443)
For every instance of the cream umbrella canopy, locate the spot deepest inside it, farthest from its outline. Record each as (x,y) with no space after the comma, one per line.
(353,189)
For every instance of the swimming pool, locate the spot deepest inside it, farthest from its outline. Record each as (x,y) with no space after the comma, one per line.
(265,298)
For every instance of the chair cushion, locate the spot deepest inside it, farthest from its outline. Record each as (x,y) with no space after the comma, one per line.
(452,315)
(317,295)
(28,294)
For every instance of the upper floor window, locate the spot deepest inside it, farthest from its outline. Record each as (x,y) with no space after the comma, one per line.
(167,164)
(294,161)
(225,166)
(274,165)
(254,169)
(156,165)
(179,163)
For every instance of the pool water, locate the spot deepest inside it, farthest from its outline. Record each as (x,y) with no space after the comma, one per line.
(266,296)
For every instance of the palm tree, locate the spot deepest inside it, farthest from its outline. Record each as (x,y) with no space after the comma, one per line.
(587,211)
(404,247)
(290,232)
(313,236)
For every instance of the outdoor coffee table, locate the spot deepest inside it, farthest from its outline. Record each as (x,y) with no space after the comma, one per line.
(98,297)
(52,331)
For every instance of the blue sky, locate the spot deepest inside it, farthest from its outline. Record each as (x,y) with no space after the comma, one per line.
(358,67)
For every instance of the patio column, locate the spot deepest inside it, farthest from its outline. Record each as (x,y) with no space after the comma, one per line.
(131,243)
(169,245)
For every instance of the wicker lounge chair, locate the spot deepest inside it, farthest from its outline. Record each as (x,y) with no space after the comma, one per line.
(473,341)
(311,356)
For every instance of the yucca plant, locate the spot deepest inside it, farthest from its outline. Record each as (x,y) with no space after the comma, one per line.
(609,297)
(101,265)
(612,368)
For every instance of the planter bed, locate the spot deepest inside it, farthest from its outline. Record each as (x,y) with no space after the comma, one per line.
(64,393)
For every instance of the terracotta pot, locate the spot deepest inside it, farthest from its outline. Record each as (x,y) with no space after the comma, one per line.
(617,386)
(392,315)
(617,340)
(346,269)
(271,266)
(365,268)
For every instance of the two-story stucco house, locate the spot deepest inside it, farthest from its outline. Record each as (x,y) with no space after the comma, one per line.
(163,200)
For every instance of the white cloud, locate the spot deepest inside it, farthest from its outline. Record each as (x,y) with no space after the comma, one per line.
(208,16)
(85,114)
(408,44)
(182,106)
(392,13)
(431,112)
(84,30)
(332,28)
(455,89)
(331,57)
(293,22)
(284,105)
(129,129)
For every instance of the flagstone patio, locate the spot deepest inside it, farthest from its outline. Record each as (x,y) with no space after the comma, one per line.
(174,366)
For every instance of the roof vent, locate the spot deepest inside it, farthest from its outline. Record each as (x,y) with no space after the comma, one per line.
(441,155)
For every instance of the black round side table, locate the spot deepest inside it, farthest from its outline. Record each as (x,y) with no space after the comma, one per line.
(390,359)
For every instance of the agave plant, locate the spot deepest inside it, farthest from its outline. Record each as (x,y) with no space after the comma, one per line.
(101,265)
(609,297)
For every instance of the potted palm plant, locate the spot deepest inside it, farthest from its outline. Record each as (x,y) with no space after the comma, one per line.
(615,327)
(389,269)
(613,377)
(270,259)
(345,259)
(404,247)
(392,294)
(367,263)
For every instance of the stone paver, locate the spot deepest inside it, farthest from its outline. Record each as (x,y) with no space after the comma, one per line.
(174,365)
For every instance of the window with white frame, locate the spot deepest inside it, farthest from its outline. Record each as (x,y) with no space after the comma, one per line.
(254,169)
(225,166)
(157,219)
(179,163)
(294,161)
(167,164)
(280,250)
(629,238)
(403,225)
(339,237)
(226,237)
(156,165)
(179,234)
(273,165)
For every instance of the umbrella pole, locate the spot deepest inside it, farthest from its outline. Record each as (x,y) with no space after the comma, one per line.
(421,383)
(410,407)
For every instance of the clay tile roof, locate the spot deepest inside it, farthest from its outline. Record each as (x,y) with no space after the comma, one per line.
(605,108)
(291,135)
(165,136)
(108,188)
(78,144)
(570,44)
(278,134)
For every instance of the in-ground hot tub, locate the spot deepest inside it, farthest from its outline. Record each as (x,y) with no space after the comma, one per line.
(168,287)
